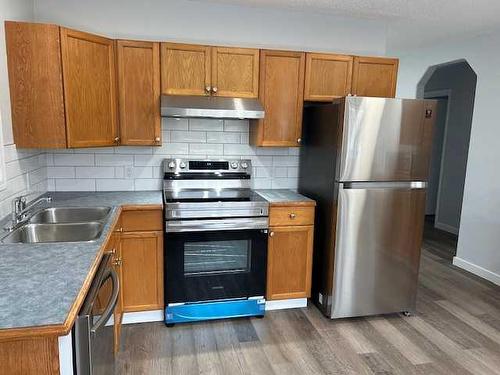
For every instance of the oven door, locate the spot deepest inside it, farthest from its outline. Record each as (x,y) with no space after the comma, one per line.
(215,264)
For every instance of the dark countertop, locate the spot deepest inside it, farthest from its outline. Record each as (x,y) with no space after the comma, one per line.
(40,282)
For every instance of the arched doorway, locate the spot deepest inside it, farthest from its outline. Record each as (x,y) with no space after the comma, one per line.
(454,85)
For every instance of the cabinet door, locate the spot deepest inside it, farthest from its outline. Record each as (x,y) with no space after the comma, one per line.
(289,262)
(89,89)
(375,76)
(139,92)
(328,76)
(281,90)
(35,81)
(185,69)
(235,72)
(142,270)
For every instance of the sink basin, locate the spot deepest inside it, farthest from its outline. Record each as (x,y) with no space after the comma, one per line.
(56,215)
(69,232)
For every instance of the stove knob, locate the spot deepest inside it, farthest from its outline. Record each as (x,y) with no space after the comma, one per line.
(234,164)
(244,165)
(171,165)
(182,165)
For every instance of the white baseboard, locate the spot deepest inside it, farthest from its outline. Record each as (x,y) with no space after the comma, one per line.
(477,270)
(446,228)
(143,317)
(286,304)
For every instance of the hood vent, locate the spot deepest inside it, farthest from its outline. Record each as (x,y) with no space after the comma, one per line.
(211,107)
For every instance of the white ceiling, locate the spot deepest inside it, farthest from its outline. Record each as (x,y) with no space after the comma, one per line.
(409,22)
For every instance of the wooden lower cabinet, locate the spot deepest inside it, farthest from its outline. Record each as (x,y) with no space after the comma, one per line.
(32,356)
(289,262)
(142,271)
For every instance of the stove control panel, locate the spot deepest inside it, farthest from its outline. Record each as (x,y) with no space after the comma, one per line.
(207,166)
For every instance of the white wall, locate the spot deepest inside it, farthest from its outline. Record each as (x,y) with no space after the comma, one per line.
(26,171)
(196,21)
(479,238)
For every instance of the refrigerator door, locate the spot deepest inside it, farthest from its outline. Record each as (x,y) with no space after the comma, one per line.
(377,249)
(386,139)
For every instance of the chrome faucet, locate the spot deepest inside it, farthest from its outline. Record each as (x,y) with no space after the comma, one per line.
(20,207)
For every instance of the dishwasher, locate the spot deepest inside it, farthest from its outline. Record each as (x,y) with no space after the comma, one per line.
(92,339)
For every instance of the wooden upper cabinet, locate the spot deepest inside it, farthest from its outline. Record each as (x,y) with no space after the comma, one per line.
(235,72)
(89,89)
(36,88)
(185,69)
(375,76)
(139,92)
(281,91)
(328,76)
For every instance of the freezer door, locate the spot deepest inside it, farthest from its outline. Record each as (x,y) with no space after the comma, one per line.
(386,139)
(377,250)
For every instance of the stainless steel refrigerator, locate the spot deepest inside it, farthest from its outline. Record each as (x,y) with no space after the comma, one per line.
(366,161)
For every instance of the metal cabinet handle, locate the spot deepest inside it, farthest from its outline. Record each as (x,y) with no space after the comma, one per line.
(292,216)
(117,139)
(157,139)
(299,140)
(119,230)
(214,89)
(207,90)
(271,234)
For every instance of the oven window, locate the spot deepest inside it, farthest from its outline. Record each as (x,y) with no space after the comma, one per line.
(216,257)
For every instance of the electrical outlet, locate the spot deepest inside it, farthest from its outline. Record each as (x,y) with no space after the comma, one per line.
(129,172)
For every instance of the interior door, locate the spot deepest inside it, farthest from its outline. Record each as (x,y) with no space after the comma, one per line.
(386,139)
(89,89)
(378,238)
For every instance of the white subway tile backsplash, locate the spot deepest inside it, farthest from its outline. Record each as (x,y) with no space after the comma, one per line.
(169,123)
(114,184)
(139,168)
(61,172)
(202,124)
(208,149)
(236,126)
(223,137)
(114,160)
(94,172)
(188,136)
(72,160)
(127,150)
(75,184)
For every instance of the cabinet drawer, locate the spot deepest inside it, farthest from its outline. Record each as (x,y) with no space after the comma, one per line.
(291,216)
(142,220)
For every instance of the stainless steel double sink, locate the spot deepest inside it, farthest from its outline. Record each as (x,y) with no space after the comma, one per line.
(61,224)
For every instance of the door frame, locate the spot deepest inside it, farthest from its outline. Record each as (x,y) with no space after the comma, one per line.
(436,94)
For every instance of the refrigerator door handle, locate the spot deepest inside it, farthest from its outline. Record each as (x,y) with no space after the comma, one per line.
(385,185)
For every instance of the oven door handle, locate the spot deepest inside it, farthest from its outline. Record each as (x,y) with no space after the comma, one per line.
(177,226)
(108,311)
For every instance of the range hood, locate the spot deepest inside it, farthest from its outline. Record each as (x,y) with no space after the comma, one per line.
(211,107)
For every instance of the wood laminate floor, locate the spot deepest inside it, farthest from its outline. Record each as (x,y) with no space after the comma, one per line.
(455,331)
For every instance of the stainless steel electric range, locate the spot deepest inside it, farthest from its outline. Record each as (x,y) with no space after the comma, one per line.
(215,241)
